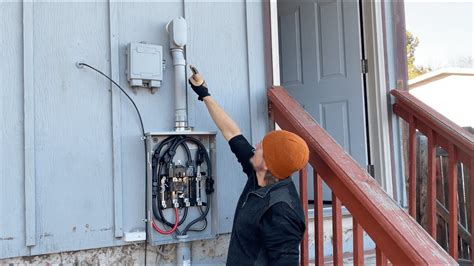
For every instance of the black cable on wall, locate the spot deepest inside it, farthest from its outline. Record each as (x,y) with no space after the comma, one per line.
(81,64)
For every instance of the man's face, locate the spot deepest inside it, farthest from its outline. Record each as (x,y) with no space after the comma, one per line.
(257,160)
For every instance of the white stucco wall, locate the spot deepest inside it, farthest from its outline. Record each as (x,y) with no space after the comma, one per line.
(452,95)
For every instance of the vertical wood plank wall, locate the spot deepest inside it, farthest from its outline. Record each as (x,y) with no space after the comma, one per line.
(116,141)
(29,124)
(12,189)
(71,169)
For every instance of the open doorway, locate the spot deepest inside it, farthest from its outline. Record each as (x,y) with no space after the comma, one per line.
(322,65)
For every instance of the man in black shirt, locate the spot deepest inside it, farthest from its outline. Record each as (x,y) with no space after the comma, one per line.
(269,221)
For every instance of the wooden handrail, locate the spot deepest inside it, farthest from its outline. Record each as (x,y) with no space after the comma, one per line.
(459,144)
(401,239)
(427,118)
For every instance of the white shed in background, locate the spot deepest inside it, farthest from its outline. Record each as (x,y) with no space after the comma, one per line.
(449,91)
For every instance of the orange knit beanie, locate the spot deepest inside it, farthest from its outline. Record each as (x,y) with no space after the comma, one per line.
(284,153)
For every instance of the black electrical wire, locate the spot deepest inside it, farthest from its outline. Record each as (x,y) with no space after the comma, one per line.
(123,91)
(209,183)
(144,141)
(157,159)
(169,151)
(161,159)
(200,218)
(204,226)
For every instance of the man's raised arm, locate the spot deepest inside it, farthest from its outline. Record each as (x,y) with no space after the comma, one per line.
(223,121)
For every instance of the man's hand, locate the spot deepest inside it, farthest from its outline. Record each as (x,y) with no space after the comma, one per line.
(198,84)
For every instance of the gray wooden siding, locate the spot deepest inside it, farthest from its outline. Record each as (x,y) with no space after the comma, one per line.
(71,159)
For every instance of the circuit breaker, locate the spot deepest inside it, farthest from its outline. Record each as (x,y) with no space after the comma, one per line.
(144,65)
(180,176)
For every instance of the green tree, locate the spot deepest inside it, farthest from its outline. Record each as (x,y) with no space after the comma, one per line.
(413,70)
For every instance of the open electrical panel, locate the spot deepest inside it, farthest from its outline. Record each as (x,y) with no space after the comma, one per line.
(180,181)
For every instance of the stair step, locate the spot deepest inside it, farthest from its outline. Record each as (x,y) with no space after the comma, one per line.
(347,241)
(348,258)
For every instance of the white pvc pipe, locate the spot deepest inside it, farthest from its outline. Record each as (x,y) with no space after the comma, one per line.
(179,65)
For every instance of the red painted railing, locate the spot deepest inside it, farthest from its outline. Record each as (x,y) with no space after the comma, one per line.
(460,147)
(398,237)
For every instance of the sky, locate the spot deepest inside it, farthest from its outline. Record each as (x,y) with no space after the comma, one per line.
(445,29)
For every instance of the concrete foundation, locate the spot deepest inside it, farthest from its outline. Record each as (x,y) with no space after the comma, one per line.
(206,252)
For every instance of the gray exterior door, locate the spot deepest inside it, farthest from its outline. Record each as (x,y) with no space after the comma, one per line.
(320,62)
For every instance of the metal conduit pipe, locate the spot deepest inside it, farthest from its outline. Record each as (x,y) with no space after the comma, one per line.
(177,30)
(183,252)
(179,65)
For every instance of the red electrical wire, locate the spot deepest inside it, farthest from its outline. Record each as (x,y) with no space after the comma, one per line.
(159,230)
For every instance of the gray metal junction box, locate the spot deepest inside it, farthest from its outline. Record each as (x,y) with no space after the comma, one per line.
(180,161)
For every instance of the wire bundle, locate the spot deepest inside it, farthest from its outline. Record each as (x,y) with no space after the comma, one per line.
(162,160)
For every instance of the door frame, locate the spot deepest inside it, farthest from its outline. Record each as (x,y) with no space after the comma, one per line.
(378,104)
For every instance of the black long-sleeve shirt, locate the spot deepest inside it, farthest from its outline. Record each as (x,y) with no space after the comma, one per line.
(269,221)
